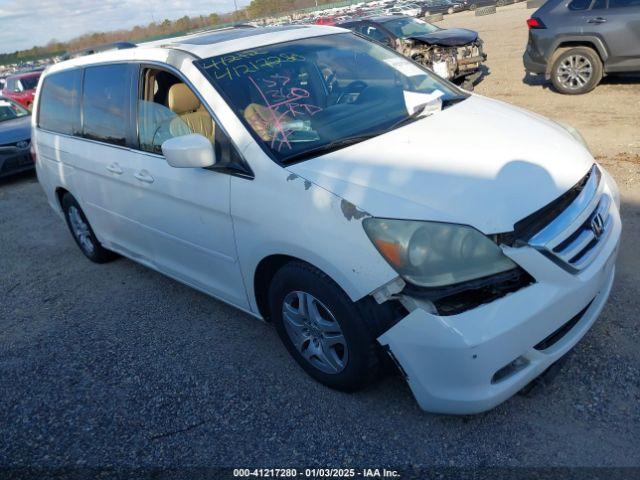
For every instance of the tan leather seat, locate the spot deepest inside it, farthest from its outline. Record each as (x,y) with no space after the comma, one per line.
(262,120)
(182,101)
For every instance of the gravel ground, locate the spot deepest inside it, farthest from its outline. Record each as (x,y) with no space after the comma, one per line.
(116,365)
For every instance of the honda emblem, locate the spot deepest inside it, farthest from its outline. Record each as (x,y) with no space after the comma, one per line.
(597,225)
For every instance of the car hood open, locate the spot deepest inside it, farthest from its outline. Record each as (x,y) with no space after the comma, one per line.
(480,162)
(451,37)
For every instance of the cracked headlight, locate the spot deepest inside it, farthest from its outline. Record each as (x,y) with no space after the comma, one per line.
(432,254)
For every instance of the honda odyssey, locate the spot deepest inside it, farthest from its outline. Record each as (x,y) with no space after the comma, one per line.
(321,182)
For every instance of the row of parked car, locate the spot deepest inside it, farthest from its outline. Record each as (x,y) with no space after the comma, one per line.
(413,8)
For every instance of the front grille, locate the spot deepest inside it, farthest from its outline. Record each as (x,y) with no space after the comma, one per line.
(532,224)
(574,236)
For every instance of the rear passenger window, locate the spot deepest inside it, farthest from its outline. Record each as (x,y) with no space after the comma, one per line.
(59,109)
(105,103)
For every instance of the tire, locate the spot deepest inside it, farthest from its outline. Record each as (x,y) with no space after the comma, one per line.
(450,11)
(576,71)
(473,7)
(356,359)
(82,232)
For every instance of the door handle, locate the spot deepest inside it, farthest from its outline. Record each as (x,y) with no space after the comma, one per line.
(143,176)
(597,20)
(115,168)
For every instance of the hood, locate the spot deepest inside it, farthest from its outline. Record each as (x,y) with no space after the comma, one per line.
(451,37)
(12,131)
(480,162)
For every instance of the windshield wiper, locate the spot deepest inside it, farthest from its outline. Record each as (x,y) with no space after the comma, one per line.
(417,113)
(452,101)
(329,147)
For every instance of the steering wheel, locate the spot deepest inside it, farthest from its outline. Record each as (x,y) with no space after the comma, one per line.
(357,86)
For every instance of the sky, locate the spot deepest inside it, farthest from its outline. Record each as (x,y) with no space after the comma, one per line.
(24,24)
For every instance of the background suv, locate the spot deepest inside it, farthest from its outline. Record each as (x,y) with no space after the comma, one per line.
(576,43)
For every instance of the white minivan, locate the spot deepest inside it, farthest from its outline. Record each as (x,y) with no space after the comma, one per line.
(367,208)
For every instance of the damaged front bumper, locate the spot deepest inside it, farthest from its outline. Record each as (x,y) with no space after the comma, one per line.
(471,362)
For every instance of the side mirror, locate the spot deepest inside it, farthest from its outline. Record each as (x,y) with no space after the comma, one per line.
(189,151)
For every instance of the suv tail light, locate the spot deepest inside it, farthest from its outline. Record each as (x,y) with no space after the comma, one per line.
(534,22)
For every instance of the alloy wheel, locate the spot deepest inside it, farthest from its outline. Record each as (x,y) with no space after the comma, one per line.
(315,332)
(574,72)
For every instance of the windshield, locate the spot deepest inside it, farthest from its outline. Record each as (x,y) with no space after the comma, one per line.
(408,27)
(10,110)
(298,97)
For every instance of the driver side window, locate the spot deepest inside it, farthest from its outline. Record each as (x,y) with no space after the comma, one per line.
(168,108)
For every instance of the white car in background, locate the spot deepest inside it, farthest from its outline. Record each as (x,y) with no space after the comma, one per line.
(405,9)
(321,182)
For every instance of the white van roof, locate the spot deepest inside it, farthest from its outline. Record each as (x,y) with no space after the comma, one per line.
(208,43)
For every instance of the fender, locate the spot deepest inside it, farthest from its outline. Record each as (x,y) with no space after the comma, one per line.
(594,40)
(312,224)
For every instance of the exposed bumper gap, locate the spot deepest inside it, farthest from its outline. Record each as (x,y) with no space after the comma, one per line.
(556,336)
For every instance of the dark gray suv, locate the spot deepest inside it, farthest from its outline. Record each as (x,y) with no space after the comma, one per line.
(575,43)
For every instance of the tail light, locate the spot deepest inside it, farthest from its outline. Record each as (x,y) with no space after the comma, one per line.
(534,22)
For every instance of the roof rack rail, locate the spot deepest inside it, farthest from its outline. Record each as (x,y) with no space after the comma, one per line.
(99,48)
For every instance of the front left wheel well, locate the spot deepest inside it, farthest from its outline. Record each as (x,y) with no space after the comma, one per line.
(60,193)
(380,317)
(265,271)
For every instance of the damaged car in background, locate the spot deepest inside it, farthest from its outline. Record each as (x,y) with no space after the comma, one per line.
(454,53)
(318,181)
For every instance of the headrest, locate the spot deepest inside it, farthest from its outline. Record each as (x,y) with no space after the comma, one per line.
(182,99)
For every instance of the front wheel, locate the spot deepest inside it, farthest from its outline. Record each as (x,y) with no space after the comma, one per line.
(322,328)
(576,71)
(83,233)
